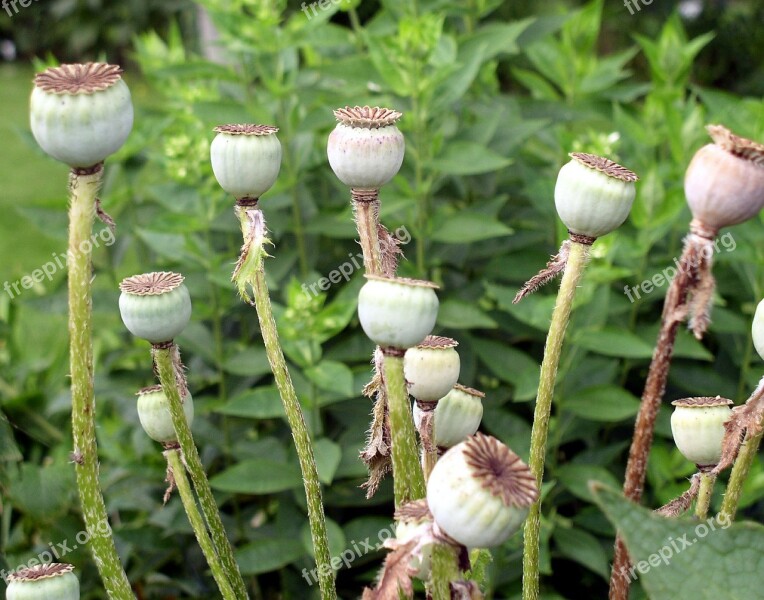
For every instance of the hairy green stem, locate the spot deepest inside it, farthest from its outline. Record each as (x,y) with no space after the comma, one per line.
(560,317)
(254,232)
(168,374)
(705,493)
(408,480)
(745,458)
(177,476)
(83,189)
(445,569)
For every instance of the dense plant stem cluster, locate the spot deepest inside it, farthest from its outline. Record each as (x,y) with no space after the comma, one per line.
(83,188)
(254,231)
(576,261)
(168,378)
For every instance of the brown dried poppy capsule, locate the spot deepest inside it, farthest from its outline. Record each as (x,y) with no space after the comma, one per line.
(724,182)
(480,492)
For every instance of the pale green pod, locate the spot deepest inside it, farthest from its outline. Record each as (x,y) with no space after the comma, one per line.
(246,159)
(397,312)
(697,425)
(593,195)
(724,182)
(479,492)
(431,368)
(155,306)
(410,529)
(365,149)
(52,581)
(457,416)
(82,113)
(757,329)
(154,414)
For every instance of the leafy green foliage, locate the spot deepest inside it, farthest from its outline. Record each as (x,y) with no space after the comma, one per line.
(491,109)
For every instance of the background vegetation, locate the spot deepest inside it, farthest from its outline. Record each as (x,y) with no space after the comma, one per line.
(494,95)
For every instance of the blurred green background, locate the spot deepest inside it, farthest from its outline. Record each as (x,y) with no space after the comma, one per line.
(494,95)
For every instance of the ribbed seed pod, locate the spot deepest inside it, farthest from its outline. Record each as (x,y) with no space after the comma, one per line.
(154,413)
(52,581)
(155,306)
(697,425)
(431,368)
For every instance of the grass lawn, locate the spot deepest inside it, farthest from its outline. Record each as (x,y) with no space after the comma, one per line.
(33,197)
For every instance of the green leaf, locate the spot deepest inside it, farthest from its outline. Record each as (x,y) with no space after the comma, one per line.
(41,492)
(328,456)
(258,476)
(582,547)
(576,478)
(458,314)
(332,376)
(614,341)
(9,451)
(607,403)
(268,554)
(510,364)
(260,403)
(252,362)
(469,158)
(680,557)
(467,227)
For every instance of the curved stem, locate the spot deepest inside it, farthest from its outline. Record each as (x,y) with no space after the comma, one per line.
(560,317)
(82,208)
(444,570)
(748,453)
(408,480)
(168,378)
(253,229)
(704,495)
(178,472)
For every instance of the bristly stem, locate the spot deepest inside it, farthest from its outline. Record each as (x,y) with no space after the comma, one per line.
(574,269)
(704,495)
(252,273)
(748,453)
(366,213)
(168,377)
(83,188)
(178,473)
(445,569)
(408,480)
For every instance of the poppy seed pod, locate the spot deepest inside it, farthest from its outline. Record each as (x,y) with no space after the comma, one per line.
(52,581)
(155,306)
(154,413)
(414,522)
(593,195)
(457,416)
(365,149)
(431,368)
(246,159)
(724,182)
(397,312)
(757,329)
(82,113)
(480,492)
(697,425)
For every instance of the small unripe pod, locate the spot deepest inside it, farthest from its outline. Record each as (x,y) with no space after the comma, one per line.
(757,329)
(414,520)
(697,425)
(457,416)
(80,114)
(724,182)
(365,149)
(397,312)
(155,306)
(480,492)
(431,368)
(52,581)
(593,195)
(155,417)
(246,159)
